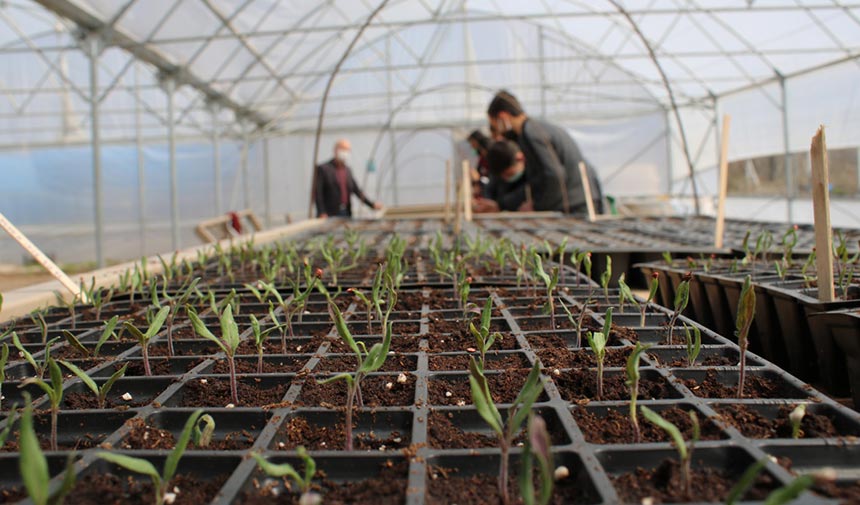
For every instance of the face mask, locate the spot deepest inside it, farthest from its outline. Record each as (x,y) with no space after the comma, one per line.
(514,178)
(342,156)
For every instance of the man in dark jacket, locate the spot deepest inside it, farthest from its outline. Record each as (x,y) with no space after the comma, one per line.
(552,158)
(335,185)
(506,163)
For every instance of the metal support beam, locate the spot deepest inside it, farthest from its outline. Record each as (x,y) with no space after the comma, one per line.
(267,183)
(141,164)
(246,182)
(542,72)
(214,109)
(669,166)
(169,85)
(789,170)
(391,145)
(93,48)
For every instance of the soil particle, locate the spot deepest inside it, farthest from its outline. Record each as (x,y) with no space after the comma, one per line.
(460,340)
(504,388)
(755,386)
(216,393)
(395,363)
(375,392)
(460,362)
(245,366)
(145,437)
(158,366)
(582,358)
(444,486)
(578,385)
(108,489)
(88,401)
(615,428)
(319,437)
(755,425)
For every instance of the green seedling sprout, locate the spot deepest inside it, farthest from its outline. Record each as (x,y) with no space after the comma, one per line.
(781,496)
(38,368)
(160,481)
(463,290)
(694,343)
(652,292)
(76,344)
(796,418)
(39,320)
(54,390)
(260,338)
(10,421)
(506,430)
(4,358)
(809,264)
(550,282)
(143,338)
(175,302)
(685,450)
(633,384)
(96,297)
(483,337)
(625,294)
(605,277)
(667,258)
(107,333)
(201,437)
(746,313)
(789,241)
(537,449)
(70,305)
(308,497)
(597,342)
(682,298)
(34,466)
(228,342)
(100,392)
(367,360)
(374,300)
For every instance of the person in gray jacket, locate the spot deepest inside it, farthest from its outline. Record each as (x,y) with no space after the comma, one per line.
(552,158)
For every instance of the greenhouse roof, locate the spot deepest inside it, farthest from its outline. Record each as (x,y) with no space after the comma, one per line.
(418,63)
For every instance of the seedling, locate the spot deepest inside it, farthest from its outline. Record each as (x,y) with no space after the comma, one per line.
(70,305)
(4,358)
(694,343)
(97,297)
(373,301)
(107,333)
(537,449)
(796,418)
(202,437)
(780,496)
(367,360)
(685,450)
(746,313)
(605,277)
(38,368)
(506,430)
(10,421)
(308,497)
(667,258)
(550,282)
(228,342)
(463,289)
(100,392)
(175,302)
(597,342)
(483,337)
(633,384)
(76,344)
(625,294)
(652,292)
(143,339)
(54,390)
(578,258)
(789,241)
(34,466)
(682,298)
(260,338)
(39,319)
(160,481)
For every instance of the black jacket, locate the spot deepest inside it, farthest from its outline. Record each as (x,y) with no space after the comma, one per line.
(327,191)
(552,163)
(509,195)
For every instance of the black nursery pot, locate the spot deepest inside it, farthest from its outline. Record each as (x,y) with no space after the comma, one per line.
(843,328)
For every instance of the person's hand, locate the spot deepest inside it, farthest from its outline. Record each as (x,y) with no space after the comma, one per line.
(527,206)
(481,205)
(377,205)
(323,216)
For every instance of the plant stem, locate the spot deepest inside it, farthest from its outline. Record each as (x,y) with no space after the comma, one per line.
(672,327)
(742,374)
(144,350)
(234,394)
(170,334)
(642,318)
(350,396)
(54,413)
(685,475)
(260,360)
(551,311)
(503,472)
(599,379)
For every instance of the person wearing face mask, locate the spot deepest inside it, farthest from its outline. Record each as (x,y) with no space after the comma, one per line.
(480,174)
(335,185)
(507,165)
(551,157)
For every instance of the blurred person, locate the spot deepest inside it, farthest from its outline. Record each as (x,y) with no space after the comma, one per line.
(480,173)
(335,185)
(507,165)
(551,155)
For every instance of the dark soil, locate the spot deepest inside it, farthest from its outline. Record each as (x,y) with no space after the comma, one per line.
(460,362)
(708,361)
(582,358)
(545,324)
(504,387)
(270,346)
(395,363)
(399,343)
(216,393)
(87,400)
(443,434)
(108,489)
(373,390)
(319,437)
(581,385)
(461,340)
(158,366)
(143,436)
(439,323)
(387,488)
(615,427)
(755,386)
(755,425)
(203,348)
(444,487)
(398,327)
(245,366)
(410,301)
(663,484)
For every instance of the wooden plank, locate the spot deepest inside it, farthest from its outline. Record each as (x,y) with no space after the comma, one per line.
(447,191)
(720,229)
(467,191)
(458,206)
(40,257)
(821,208)
(586,187)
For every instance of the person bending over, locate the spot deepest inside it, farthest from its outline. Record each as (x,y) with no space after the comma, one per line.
(506,163)
(552,158)
(335,185)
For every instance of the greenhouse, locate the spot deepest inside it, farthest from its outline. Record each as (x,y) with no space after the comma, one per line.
(583,262)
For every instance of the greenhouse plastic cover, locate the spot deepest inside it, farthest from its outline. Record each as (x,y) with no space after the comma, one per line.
(416,82)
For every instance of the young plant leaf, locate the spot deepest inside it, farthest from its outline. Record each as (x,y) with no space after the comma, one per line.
(32,463)
(483,399)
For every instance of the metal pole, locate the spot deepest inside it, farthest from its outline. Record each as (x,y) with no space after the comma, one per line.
(246,188)
(93,49)
(717,142)
(169,84)
(392,147)
(267,179)
(141,165)
(789,170)
(542,72)
(669,167)
(216,158)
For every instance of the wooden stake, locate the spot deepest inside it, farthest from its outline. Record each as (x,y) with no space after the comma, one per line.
(40,257)
(467,191)
(447,191)
(586,188)
(821,208)
(458,206)
(719,231)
